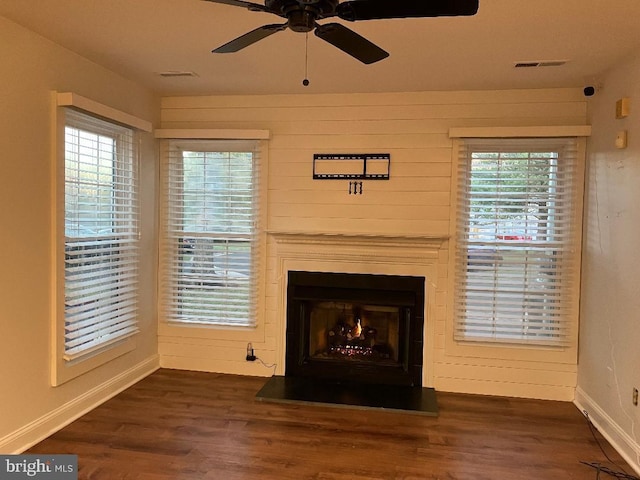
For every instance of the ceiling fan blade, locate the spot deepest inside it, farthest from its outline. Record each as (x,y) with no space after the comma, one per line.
(350,42)
(250,38)
(241,3)
(379,9)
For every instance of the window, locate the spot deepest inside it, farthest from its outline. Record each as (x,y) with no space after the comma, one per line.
(209,241)
(518,234)
(101,235)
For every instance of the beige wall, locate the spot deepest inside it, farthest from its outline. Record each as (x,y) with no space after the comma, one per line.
(31,68)
(609,363)
(414,203)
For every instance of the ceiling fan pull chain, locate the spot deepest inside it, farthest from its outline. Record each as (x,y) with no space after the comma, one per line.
(306,82)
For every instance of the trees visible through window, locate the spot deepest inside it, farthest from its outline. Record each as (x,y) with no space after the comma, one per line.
(101,235)
(209,239)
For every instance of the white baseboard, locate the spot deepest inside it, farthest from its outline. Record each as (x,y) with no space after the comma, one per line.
(624,444)
(41,428)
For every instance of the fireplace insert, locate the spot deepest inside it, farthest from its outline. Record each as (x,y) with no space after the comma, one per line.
(355,327)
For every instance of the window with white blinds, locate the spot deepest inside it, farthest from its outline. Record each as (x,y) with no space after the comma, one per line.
(209,250)
(101,234)
(517,240)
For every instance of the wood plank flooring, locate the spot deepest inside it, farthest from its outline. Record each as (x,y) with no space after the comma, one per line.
(183,425)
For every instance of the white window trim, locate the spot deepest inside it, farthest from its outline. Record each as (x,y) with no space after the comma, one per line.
(510,352)
(63,370)
(211,134)
(207,333)
(521,132)
(70,99)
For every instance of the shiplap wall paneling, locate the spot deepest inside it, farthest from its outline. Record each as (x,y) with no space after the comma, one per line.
(412,127)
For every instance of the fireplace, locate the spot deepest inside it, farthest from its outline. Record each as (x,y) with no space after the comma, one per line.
(355,328)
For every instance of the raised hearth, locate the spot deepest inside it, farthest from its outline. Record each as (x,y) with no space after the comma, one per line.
(415,400)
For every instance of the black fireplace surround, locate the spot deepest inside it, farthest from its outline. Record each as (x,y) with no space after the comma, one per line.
(355,328)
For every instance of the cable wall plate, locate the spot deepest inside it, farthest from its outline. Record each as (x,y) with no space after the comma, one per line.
(351,166)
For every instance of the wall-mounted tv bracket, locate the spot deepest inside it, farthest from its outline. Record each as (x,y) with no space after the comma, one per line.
(351,166)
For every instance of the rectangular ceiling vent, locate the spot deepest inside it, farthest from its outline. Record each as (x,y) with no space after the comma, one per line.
(177,73)
(548,63)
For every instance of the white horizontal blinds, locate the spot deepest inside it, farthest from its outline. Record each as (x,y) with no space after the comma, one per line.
(101,234)
(209,246)
(516,240)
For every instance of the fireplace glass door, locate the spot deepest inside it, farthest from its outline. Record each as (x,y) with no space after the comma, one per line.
(355,327)
(342,331)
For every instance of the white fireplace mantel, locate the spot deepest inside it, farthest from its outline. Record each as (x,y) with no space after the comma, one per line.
(370,248)
(367,254)
(367,239)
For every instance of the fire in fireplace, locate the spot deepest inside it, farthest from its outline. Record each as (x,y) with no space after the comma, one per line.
(354,332)
(355,327)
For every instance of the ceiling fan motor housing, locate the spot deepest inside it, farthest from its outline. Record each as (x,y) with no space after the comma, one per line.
(302,14)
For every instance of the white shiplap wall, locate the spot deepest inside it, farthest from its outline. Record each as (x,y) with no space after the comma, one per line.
(415,202)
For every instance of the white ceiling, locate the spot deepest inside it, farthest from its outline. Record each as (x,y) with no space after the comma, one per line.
(140,38)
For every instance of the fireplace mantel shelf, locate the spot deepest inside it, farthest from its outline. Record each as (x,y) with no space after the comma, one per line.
(370,239)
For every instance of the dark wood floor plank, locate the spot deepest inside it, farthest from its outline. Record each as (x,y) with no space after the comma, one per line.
(187,425)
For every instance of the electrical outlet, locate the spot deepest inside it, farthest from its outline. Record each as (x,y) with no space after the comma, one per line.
(635,396)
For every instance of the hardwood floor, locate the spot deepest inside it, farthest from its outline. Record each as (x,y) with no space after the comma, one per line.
(182,425)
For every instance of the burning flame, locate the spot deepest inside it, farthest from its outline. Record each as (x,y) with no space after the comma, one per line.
(357,329)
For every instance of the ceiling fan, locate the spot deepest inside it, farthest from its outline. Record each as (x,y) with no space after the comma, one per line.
(302,16)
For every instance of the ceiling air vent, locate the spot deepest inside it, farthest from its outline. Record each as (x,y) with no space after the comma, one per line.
(547,63)
(177,73)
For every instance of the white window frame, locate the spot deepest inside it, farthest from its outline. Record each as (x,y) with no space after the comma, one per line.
(477,347)
(67,364)
(168,326)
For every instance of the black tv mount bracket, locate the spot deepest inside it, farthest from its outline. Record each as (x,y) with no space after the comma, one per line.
(351,166)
